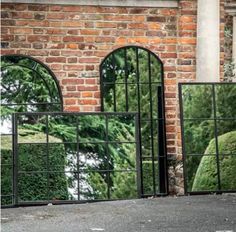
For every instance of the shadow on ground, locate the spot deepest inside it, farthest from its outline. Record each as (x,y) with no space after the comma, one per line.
(213,213)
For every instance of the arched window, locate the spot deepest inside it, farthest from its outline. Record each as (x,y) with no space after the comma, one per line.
(27,85)
(132,80)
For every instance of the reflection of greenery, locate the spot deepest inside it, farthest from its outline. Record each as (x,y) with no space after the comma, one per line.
(198,105)
(119,155)
(32,157)
(143,83)
(148,176)
(26,81)
(206,176)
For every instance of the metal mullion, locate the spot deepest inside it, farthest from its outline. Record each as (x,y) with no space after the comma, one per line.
(139,121)
(108,160)
(126,82)
(151,124)
(161,144)
(138,158)
(101,87)
(216,137)
(183,139)
(114,76)
(15,158)
(47,151)
(77,154)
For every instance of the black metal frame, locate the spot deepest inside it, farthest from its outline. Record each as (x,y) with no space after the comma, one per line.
(214,119)
(162,156)
(106,143)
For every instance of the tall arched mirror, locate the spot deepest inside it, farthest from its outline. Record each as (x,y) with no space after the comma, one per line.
(132,81)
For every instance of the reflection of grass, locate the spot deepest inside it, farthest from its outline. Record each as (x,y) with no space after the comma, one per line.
(206,176)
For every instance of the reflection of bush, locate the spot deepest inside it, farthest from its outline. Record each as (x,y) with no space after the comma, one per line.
(32,158)
(197,100)
(206,176)
(148,176)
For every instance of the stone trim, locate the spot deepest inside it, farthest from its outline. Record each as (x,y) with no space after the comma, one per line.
(122,3)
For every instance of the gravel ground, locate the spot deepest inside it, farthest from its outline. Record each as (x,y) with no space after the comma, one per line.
(213,213)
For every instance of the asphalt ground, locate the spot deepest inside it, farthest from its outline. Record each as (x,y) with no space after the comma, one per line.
(213,213)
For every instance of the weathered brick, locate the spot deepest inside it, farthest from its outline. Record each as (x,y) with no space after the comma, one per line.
(160,19)
(55,15)
(22,31)
(8,22)
(38,38)
(38,7)
(39,16)
(73,39)
(72,24)
(7,37)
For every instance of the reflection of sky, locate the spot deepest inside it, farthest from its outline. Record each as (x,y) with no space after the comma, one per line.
(5,127)
(84,185)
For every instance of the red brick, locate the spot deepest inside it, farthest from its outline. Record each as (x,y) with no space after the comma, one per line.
(75,67)
(38,38)
(55,59)
(38,7)
(87,94)
(72,24)
(90,81)
(72,108)
(89,60)
(70,101)
(56,31)
(71,88)
(89,32)
(55,8)
(72,81)
(72,60)
(87,88)
(21,7)
(73,39)
(22,15)
(7,38)
(55,15)
(87,102)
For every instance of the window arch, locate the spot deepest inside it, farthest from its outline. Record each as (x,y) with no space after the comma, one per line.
(132,80)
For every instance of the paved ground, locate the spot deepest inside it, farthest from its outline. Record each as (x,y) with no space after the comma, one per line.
(178,214)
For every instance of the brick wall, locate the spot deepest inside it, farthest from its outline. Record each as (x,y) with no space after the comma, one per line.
(73,40)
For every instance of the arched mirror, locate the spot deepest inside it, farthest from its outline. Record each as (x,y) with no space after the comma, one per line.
(132,81)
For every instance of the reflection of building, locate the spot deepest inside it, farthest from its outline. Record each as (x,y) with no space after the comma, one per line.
(73,39)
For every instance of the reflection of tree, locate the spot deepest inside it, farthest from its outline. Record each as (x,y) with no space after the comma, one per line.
(131,78)
(198,104)
(26,86)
